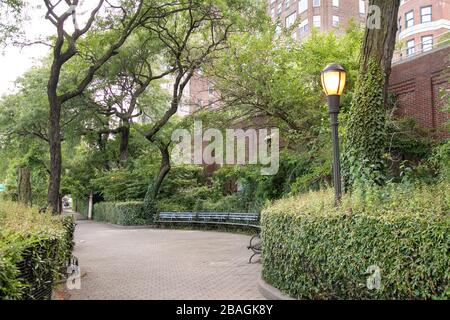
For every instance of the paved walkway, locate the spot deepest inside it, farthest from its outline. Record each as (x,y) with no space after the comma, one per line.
(163,264)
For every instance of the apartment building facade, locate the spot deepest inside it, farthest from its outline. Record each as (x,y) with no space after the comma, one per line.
(422,26)
(325,15)
(423,29)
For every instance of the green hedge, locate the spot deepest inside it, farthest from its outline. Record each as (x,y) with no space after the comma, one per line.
(121,213)
(82,206)
(34,248)
(312,250)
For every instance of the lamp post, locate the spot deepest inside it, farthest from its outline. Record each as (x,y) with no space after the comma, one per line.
(333,83)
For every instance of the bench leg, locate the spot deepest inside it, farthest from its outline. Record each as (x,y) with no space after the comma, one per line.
(254,254)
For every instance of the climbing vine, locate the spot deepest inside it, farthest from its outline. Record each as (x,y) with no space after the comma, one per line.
(366,130)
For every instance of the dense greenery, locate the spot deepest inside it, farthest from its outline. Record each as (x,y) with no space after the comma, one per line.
(366,129)
(105,102)
(34,248)
(314,250)
(121,213)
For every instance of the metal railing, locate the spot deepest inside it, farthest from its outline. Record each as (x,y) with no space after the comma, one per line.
(406,53)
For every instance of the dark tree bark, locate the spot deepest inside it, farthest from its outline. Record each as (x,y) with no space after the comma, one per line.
(163,169)
(366,129)
(379,44)
(124,141)
(155,185)
(64,50)
(24,186)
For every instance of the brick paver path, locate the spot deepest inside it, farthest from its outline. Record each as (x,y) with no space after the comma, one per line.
(163,264)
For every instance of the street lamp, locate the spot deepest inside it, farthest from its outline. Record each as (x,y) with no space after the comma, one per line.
(333,83)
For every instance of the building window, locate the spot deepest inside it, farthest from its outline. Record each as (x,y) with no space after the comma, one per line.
(303,27)
(425,14)
(335,3)
(336,21)
(409,19)
(316,3)
(288,3)
(272,12)
(302,6)
(280,8)
(410,46)
(362,7)
(400,24)
(316,21)
(427,43)
(290,20)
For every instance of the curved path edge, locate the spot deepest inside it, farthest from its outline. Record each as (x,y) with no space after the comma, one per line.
(272,293)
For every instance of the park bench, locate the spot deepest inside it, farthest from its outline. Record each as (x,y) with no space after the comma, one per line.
(248,220)
(217,218)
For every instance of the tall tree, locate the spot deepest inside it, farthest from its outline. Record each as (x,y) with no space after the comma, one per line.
(366,130)
(192,37)
(127,14)
(127,84)
(24,185)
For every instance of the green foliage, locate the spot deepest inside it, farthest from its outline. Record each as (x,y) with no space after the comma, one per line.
(34,248)
(11,16)
(122,185)
(122,213)
(81,206)
(366,130)
(440,159)
(262,74)
(406,138)
(314,250)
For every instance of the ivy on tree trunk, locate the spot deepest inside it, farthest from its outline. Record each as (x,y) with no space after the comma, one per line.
(366,129)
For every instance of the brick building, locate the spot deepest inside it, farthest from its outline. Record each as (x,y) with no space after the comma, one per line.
(199,93)
(325,15)
(422,25)
(420,70)
(419,83)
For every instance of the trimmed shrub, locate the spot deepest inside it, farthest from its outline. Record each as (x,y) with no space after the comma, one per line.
(34,248)
(313,250)
(122,213)
(82,206)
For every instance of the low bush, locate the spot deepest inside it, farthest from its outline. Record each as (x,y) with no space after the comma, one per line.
(314,250)
(122,213)
(81,206)
(34,248)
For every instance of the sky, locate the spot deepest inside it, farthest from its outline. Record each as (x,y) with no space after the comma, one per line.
(15,61)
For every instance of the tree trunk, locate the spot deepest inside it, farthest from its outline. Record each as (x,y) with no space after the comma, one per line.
(366,130)
(24,186)
(155,185)
(54,135)
(54,139)
(164,168)
(379,44)
(124,140)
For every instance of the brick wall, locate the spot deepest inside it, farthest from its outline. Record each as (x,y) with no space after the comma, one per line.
(417,84)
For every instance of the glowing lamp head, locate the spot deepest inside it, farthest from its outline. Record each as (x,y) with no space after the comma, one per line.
(333,79)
